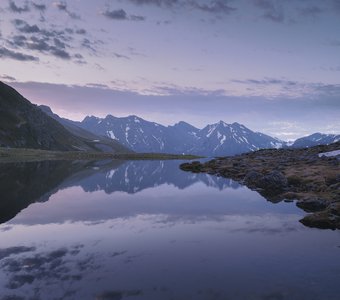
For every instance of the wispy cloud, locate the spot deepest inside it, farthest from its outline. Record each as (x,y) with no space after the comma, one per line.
(7,77)
(272,10)
(7,53)
(310,11)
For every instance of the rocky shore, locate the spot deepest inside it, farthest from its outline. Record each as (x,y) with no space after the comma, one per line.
(300,175)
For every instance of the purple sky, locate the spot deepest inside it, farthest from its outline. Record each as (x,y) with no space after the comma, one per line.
(272,65)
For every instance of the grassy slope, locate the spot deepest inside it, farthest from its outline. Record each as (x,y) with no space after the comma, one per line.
(24,125)
(22,154)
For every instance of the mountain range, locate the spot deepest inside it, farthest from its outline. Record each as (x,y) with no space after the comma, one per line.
(316,139)
(182,138)
(25,125)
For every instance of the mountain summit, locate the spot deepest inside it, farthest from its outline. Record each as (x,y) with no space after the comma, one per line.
(182,138)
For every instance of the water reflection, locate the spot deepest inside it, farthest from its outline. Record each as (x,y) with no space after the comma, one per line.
(146,230)
(24,183)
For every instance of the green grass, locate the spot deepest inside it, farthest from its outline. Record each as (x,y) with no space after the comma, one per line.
(22,154)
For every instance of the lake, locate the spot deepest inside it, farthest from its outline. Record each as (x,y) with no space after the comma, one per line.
(147,230)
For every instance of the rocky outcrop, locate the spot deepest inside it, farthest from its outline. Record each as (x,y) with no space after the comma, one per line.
(287,174)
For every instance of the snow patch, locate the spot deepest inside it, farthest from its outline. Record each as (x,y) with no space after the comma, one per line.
(330,153)
(110,174)
(111,135)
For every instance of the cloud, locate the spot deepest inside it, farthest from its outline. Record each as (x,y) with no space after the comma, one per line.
(7,77)
(18,9)
(120,15)
(273,10)
(137,18)
(81,31)
(118,55)
(215,7)
(310,11)
(40,7)
(62,6)
(7,53)
(57,49)
(266,81)
(48,42)
(24,27)
(168,3)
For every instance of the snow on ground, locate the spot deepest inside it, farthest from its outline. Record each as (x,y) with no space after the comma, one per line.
(331,153)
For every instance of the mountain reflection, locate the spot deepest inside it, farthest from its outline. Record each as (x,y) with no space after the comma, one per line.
(24,183)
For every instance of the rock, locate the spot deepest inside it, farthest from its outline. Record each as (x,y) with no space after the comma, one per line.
(321,220)
(312,205)
(275,181)
(195,166)
(252,178)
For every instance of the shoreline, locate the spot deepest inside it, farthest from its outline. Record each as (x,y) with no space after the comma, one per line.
(287,175)
(8,155)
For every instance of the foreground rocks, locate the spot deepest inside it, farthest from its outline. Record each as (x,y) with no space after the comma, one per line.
(287,175)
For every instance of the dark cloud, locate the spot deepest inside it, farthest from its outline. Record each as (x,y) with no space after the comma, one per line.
(121,15)
(24,27)
(62,6)
(6,252)
(266,81)
(47,42)
(81,31)
(55,47)
(155,2)
(214,7)
(328,89)
(39,7)
(7,53)
(137,18)
(79,59)
(18,9)
(86,43)
(272,10)
(54,42)
(310,11)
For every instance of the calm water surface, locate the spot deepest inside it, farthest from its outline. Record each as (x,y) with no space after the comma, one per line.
(147,230)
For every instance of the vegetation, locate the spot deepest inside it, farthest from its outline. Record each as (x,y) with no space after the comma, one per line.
(22,154)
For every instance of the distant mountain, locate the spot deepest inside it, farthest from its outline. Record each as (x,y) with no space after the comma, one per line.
(133,132)
(103,143)
(213,140)
(315,140)
(230,139)
(25,125)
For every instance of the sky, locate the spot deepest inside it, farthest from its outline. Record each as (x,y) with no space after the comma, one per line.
(271,65)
